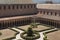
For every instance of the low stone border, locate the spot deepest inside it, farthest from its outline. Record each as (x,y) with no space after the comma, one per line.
(13,30)
(21,29)
(28,38)
(44,30)
(51,31)
(9,38)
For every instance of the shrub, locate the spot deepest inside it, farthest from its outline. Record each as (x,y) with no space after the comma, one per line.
(0,34)
(34,25)
(45,37)
(30,34)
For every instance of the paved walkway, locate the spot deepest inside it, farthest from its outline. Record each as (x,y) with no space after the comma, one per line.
(7,33)
(41,36)
(18,35)
(50,30)
(41,33)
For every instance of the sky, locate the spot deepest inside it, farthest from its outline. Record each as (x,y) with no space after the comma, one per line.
(40,1)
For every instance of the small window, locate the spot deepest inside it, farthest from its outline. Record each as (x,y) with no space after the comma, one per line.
(20,6)
(8,6)
(44,12)
(13,7)
(31,6)
(34,6)
(24,6)
(59,14)
(51,13)
(47,13)
(0,7)
(17,7)
(28,6)
(55,13)
(4,7)
(40,12)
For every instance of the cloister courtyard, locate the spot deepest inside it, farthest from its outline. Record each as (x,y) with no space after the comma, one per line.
(16,17)
(10,33)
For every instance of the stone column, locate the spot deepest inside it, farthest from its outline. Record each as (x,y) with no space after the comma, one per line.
(55,24)
(1,24)
(15,22)
(8,23)
(49,22)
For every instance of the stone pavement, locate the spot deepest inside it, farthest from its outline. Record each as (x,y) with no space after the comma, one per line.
(41,33)
(54,35)
(7,33)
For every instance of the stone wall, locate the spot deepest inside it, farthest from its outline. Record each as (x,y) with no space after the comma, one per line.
(17,9)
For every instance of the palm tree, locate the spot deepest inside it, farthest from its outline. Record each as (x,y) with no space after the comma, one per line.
(34,25)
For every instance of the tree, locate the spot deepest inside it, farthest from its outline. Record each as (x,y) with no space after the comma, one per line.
(34,25)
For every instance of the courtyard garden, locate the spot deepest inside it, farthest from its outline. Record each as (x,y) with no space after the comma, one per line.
(16,32)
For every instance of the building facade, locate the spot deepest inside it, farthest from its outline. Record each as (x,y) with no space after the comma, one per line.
(49,14)
(10,8)
(45,13)
(13,12)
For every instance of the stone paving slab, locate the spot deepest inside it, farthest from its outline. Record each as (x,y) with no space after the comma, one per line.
(54,35)
(7,33)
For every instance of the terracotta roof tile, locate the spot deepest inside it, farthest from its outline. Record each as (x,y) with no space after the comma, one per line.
(49,6)
(15,1)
